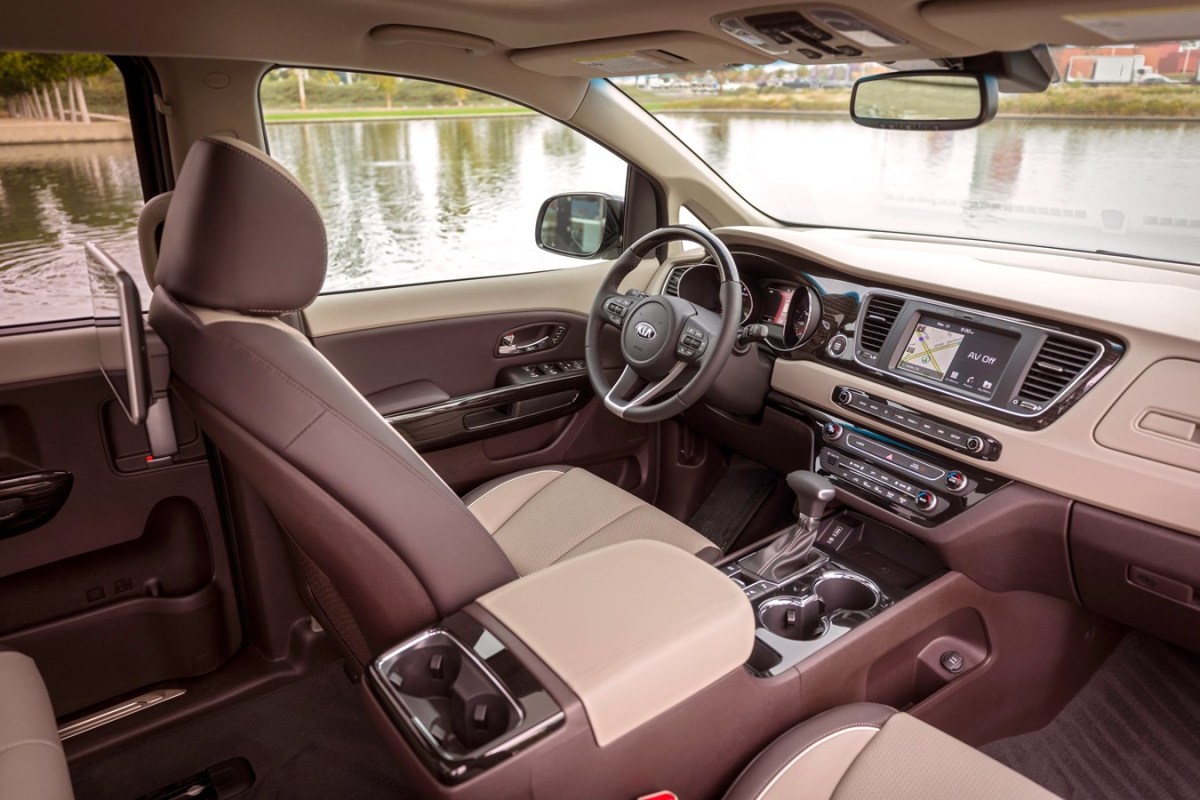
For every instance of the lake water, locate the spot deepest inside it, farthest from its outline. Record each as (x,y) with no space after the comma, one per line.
(421,200)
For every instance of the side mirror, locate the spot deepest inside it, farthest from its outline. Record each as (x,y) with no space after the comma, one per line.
(581,225)
(924,101)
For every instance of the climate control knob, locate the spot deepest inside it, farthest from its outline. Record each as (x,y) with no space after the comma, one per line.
(843,397)
(832,431)
(956,480)
(925,501)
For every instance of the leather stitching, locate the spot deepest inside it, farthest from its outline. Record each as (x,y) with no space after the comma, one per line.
(517,478)
(799,753)
(25,742)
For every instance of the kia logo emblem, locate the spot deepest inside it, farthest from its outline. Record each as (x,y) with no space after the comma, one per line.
(645,330)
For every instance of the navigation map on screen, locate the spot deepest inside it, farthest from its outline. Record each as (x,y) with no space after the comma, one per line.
(930,351)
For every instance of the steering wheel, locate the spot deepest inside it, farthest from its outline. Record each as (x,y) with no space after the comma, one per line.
(673,350)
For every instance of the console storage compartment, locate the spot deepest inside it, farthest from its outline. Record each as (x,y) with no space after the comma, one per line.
(633,629)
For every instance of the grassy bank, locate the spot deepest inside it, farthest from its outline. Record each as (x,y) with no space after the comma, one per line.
(337,114)
(1074,101)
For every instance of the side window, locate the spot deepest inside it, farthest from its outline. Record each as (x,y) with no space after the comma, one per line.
(421,182)
(68,175)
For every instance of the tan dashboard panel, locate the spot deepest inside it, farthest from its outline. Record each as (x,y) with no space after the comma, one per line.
(572,289)
(1158,418)
(1064,458)
(1148,306)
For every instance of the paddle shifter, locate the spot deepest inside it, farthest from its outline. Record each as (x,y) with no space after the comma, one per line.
(788,554)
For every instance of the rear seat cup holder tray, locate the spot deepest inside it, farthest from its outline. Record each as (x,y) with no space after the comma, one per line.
(461,699)
(451,698)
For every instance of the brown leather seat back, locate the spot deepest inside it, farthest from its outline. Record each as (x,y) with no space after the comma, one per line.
(385,546)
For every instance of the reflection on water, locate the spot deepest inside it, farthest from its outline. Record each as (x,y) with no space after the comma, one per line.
(426,200)
(53,198)
(420,200)
(1123,187)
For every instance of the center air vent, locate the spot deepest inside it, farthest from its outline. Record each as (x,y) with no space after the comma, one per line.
(878,318)
(672,285)
(1057,363)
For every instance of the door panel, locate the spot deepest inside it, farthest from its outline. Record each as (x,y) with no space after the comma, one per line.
(486,415)
(129,584)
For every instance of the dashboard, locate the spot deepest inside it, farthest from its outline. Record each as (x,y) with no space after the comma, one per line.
(987,363)
(1021,371)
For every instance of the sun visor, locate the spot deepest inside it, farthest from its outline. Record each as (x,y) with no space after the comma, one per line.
(1020,24)
(645,54)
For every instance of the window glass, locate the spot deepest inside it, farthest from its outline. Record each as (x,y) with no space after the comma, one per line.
(421,182)
(68,175)
(1106,159)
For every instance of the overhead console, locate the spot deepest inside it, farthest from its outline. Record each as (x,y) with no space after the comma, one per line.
(1016,371)
(817,34)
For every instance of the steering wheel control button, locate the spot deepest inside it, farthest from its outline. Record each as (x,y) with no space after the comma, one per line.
(956,480)
(837,345)
(832,431)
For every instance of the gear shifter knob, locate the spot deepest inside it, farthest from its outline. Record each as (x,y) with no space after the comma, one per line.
(813,492)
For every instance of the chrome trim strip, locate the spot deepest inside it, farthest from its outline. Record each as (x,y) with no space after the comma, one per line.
(119,711)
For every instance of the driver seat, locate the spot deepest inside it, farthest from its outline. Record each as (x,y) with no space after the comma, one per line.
(382,546)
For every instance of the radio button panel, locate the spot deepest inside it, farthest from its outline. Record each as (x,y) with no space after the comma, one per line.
(962,440)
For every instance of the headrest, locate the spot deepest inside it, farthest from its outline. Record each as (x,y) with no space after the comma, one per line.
(241,234)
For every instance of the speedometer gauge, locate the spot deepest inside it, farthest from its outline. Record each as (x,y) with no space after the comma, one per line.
(803,316)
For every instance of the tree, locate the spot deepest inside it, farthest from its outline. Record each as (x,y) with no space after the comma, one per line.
(25,78)
(78,66)
(388,84)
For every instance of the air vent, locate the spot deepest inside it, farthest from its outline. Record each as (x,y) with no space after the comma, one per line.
(672,285)
(878,319)
(1059,362)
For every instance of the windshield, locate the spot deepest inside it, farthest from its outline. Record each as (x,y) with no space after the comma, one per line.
(1107,159)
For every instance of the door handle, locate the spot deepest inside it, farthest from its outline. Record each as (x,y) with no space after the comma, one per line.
(531,338)
(29,500)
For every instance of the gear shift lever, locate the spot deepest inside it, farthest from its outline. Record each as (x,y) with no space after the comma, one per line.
(788,554)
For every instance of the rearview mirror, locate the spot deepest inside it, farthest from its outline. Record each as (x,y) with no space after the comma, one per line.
(924,101)
(581,225)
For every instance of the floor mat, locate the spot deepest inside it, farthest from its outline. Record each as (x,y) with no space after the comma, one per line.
(1132,732)
(730,507)
(309,739)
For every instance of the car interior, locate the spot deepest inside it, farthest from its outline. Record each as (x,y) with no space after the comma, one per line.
(719,505)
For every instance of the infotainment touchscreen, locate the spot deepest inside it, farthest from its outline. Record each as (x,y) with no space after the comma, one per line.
(968,358)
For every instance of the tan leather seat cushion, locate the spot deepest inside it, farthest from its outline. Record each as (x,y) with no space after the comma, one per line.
(32,763)
(869,752)
(542,516)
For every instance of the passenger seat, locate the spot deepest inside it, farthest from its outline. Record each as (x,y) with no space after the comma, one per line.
(871,752)
(32,763)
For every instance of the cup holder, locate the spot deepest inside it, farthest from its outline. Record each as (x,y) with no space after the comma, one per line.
(806,617)
(798,618)
(454,700)
(842,591)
